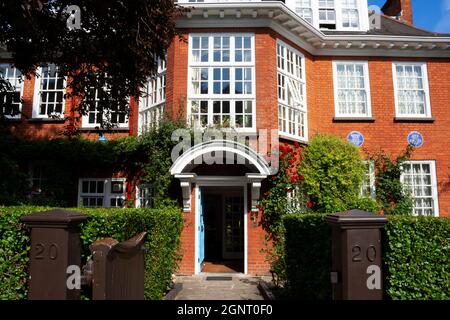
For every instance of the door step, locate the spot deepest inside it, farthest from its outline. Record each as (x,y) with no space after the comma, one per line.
(219,278)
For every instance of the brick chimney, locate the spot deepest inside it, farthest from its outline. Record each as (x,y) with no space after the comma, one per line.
(407,13)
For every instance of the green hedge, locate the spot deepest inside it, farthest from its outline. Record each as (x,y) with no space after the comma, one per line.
(416,257)
(163,226)
(307,256)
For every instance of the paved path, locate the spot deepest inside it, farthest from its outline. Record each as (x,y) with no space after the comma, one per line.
(199,288)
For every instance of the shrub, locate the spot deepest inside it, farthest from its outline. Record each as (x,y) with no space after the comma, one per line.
(146,157)
(392,196)
(333,172)
(417,258)
(163,226)
(14,248)
(307,256)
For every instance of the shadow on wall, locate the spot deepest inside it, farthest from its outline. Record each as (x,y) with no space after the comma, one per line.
(444,188)
(37,130)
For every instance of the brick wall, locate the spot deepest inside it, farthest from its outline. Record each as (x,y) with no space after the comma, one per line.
(187,250)
(53,128)
(384,133)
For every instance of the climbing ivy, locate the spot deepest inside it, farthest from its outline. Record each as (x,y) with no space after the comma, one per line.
(391,194)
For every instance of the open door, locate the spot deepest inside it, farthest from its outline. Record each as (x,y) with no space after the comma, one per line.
(201,230)
(233,231)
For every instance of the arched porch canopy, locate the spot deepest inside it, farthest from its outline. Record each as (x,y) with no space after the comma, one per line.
(227,152)
(232,151)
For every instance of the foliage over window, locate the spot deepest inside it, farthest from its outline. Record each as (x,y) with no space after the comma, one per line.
(391,194)
(122,40)
(146,158)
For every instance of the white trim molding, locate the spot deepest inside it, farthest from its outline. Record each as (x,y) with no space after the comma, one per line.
(280,18)
(228,149)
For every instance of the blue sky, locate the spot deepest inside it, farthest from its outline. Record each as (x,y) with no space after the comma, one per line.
(432,15)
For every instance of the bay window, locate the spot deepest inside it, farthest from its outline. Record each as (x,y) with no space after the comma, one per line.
(222,81)
(292,109)
(151,104)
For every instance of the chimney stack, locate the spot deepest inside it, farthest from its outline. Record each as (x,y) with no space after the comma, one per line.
(401,9)
(407,13)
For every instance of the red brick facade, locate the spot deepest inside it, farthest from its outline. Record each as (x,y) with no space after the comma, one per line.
(381,132)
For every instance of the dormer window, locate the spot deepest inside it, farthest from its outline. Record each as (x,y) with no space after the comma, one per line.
(327,14)
(350,15)
(303,9)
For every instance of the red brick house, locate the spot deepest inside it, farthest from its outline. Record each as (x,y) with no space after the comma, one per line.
(300,67)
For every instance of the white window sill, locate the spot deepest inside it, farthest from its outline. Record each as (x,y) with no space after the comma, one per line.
(292,137)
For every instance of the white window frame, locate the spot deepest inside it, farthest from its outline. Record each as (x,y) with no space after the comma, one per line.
(348,8)
(139,200)
(232,65)
(426,88)
(300,8)
(85,119)
(365,65)
(370,165)
(17,81)
(151,108)
(107,195)
(434,185)
(328,8)
(37,97)
(291,81)
(361,7)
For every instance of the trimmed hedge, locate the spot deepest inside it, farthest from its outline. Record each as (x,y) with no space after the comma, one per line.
(307,256)
(163,226)
(416,257)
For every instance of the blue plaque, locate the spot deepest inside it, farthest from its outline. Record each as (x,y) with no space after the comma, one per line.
(356,138)
(415,139)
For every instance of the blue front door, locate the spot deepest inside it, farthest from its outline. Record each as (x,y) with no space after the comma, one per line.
(201,230)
